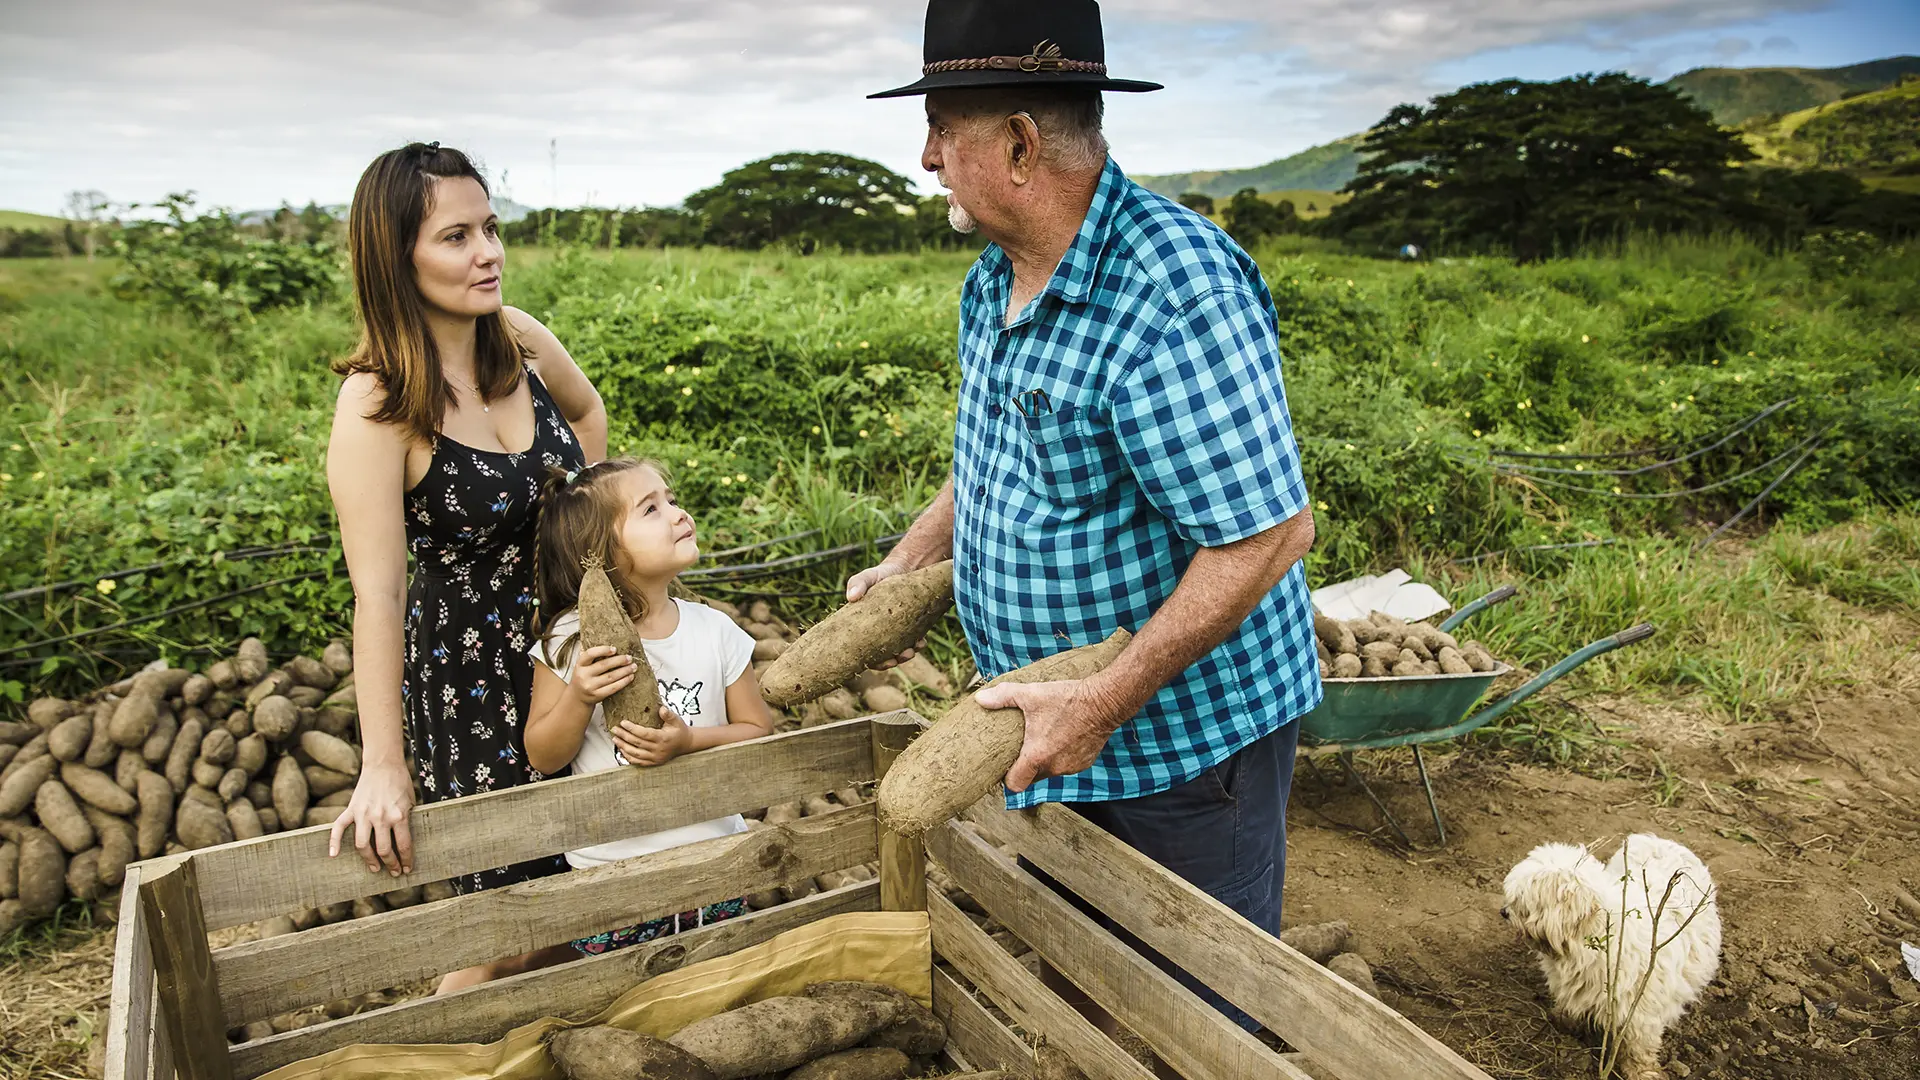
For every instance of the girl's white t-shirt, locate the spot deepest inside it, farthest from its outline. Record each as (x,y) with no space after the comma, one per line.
(705,654)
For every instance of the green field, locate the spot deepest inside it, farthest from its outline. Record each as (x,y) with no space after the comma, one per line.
(792,393)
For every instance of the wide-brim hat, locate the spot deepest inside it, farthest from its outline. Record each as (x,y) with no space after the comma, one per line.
(985,43)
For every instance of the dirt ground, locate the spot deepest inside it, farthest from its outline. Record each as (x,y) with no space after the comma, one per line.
(1808,822)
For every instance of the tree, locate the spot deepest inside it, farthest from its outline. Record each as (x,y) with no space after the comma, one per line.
(809,201)
(1249,218)
(1199,202)
(1537,167)
(87,211)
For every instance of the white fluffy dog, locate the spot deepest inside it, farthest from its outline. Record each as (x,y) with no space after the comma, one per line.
(1595,930)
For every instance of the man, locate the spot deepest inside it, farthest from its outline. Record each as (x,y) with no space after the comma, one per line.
(1123,457)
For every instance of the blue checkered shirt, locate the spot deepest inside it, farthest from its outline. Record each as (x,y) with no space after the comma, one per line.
(1163,427)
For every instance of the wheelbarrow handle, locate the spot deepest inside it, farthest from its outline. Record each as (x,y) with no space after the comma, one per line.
(1553,674)
(1498,596)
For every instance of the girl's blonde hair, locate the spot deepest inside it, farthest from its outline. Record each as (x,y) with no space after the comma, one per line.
(579,517)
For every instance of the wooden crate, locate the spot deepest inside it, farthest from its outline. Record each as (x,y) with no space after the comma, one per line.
(174,997)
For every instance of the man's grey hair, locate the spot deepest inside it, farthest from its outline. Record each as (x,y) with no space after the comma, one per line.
(1069,120)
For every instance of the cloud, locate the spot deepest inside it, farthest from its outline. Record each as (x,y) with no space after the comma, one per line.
(255,102)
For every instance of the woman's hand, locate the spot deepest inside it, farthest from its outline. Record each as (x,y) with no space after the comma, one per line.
(382,799)
(653,746)
(602,672)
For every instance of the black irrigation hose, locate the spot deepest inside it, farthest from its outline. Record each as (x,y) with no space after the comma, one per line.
(235,555)
(746,591)
(742,550)
(1535,547)
(1714,486)
(775,567)
(1764,492)
(124,623)
(1668,449)
(1731,435)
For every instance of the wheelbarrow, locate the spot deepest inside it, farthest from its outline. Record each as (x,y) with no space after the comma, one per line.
(1373,714)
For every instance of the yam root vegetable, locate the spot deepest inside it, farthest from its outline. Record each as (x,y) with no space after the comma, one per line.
(781,813)
(196,690)
(764,899)
(1334,634)
(1365,632)
(915,1030)
(331,753)
(127,769)
(306,697)
(232,785)
(920,672)
(133,718)
(882,699)
(1452,663)
(609,1053)
(346,698)
(217,745)
(206,774)
(96,789)
(1417,647)
(322,781)
(276,717)
(186,746)
(435,891)
(1477,656)
(204,796)
(816,805)
(779,1033)
(290,793)
(1407,665)
(34,749)
(1373,668)
(840,704)
(406,896)
(15,734)
(116,845)
(767,649)
(244,820)
(1346,666)
(368,906)
(323,815)
(13,916)
(862,1063)
(604,620)
(223,674)
(1429,667)
(275,684)
(250,755)
(156,813)
(310,672)
(83,875)
(43,872)
(338,798)
(101,749)
(269,818)
(9,871)
(8,752)
(250,661)
(160,740)
(1319,942)
(69,738)
(962,757)
(22,783)
(45,712)
(238,723)
(338,723)
(1384,651)
(1353,968)
(201,826)
(338,656)
(890,619)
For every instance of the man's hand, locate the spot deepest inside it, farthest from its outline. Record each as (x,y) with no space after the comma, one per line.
(1068,724)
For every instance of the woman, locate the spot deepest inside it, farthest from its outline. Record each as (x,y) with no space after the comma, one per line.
(452,410)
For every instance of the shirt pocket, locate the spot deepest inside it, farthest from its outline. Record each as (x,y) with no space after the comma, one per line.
(1069,460)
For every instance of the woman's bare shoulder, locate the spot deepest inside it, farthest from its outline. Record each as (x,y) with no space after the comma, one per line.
(361,396)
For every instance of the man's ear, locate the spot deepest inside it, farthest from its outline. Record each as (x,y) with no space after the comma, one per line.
(1023,147)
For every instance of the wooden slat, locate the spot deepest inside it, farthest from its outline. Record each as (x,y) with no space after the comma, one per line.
(287,872)
(183,970)
(130,1001)
(903,860)
(1187,1033)
(264,978)
(984,1042)
(1034,1007)
(572,991)
(1342,1030)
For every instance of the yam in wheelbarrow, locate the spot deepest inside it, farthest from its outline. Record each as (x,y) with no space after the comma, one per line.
(1373,714)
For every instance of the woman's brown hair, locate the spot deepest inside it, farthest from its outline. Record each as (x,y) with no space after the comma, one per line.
(394,196)
(579,517)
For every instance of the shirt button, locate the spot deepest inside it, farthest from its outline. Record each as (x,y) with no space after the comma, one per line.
(993,410)
(981,490)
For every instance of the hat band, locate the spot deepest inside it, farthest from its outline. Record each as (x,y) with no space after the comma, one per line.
(1044,57)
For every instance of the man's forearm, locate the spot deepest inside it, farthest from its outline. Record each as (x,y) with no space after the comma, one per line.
(930,538)
(1220,588)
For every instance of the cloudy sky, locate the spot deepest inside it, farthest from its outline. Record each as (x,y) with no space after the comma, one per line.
(642,101)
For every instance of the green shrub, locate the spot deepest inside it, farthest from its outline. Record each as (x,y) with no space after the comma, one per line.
(206,267)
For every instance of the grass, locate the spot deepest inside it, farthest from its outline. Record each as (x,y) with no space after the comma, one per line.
(20,219)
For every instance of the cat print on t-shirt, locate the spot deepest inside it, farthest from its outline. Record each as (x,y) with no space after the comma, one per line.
(684,700)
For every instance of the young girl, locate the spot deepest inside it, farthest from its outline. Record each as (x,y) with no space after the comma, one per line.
(624,511)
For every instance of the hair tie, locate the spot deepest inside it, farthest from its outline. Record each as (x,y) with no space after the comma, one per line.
(571,473)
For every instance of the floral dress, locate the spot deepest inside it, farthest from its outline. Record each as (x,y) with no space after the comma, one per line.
(468,681)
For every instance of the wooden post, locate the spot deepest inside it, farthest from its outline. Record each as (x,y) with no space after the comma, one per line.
(183,967)
(903,862)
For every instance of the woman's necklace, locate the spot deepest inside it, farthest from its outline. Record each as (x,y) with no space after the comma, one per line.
(471,389)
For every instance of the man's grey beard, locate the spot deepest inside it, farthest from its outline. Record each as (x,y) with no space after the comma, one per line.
(958,217)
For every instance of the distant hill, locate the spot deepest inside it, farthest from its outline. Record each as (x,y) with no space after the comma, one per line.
(1734,95)
(1867,134)
(1737,95)
(20,219)
(1322,168)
